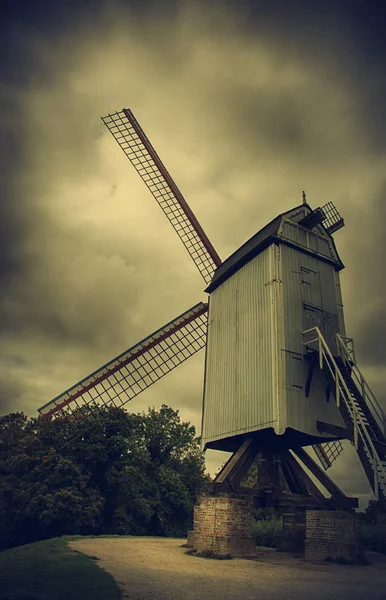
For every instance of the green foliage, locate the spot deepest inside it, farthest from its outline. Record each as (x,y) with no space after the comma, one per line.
(250,479)
(267,526)
(49,569)
(374,513)
(373,537)
(112,473)
(372,527)
(268,513)
(266,532)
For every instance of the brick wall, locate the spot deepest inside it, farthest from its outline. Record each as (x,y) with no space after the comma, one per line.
(294,531)
(222,524)
(331,533)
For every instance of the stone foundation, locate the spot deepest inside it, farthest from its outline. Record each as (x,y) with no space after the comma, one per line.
(332,534)
(222,524)
(294,531)
(190,540)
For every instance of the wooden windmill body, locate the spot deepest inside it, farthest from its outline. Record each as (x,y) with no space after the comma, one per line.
(279,372)
(281,282)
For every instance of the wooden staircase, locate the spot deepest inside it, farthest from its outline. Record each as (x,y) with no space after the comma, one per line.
(362,415)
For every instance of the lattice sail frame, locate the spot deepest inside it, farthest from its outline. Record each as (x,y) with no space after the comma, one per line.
(136,369)
(328,452)
(333,221)
(131,138)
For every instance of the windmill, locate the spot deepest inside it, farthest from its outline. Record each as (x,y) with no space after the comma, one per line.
(280,373)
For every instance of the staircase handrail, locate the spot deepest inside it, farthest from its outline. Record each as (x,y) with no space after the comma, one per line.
(356,417)
(361,383)
(349,347)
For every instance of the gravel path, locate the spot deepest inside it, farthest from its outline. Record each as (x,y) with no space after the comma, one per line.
(160,569)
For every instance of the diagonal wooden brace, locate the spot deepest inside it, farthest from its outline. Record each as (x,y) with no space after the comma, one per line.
(238,464)
(305,483)
(320,475)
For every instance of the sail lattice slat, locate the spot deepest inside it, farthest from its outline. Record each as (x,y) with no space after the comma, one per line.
(328,452)
(333,221)
(136,146)
(127,375)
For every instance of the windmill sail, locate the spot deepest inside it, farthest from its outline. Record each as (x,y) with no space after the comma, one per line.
(126,130)
(127,375)
(328,452)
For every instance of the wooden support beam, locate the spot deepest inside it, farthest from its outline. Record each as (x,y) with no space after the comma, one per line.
(311,366)
(328,392)
(238,464)
(318,473)
(307,482)
(341,502)
(284,499)
(380,447)
(295,485)
(267,497)
(287,500)
(340,432)
(268,469)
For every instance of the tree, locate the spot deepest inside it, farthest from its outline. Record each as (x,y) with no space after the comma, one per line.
(372,526)
(114,472)
(176,469)
(42,494)
(375,512)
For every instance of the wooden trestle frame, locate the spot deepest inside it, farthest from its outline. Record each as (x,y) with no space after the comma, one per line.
(301,490)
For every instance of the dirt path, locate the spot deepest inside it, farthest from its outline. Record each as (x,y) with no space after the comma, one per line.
(159,569)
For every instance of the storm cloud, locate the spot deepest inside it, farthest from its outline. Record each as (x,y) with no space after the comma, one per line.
(245,113)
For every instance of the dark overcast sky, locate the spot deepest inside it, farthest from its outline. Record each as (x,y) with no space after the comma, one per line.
(336,29)
(315,21)
(246,102)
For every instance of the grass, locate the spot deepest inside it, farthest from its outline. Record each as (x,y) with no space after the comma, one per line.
(50,570)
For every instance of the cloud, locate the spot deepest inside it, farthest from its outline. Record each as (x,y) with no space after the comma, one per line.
(243,116)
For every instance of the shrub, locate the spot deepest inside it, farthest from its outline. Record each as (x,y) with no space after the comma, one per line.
(267,532)
(373,535)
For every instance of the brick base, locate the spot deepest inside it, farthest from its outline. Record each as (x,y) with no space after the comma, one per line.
(294,531)
(332,534)
(190,540)
(222,524)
